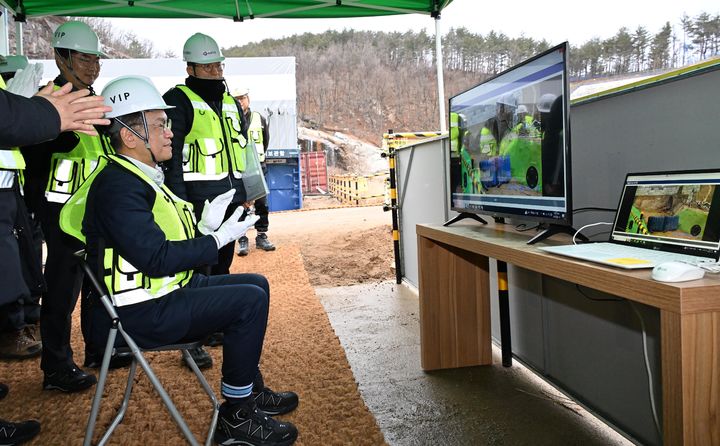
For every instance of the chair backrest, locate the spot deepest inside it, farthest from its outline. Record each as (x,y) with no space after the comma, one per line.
(97,285)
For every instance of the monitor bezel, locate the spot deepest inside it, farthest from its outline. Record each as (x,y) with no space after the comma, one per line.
(568,219)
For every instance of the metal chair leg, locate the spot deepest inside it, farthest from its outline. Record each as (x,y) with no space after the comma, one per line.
(100,386)
(160,389)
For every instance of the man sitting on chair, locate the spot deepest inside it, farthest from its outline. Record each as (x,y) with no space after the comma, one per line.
(142,240)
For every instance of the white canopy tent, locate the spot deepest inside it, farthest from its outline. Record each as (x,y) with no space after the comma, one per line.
(271,81)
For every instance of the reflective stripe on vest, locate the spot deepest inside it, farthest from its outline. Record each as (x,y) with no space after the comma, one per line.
(69,170)
(206,155)
(123,281)
(11,159)
(454,131)
(255,132)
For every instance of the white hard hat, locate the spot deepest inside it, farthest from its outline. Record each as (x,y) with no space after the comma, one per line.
(244,91)
(201,48)
(507,99)
(79,37)
(521,109)
(545,102)
(13,63)
(131,94)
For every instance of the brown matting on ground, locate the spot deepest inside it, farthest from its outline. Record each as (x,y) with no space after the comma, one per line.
(301,353)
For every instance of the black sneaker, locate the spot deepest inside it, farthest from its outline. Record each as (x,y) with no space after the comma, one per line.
(275,403)
(4,389)
(18,433)
(262,242)
(245,424)
(72,379)
(201,357)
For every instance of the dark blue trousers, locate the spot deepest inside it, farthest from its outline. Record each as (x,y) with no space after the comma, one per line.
(235,304)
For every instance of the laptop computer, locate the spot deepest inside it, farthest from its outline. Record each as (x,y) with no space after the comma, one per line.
(661,217)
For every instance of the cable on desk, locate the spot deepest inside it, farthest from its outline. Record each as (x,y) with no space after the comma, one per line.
(588,226)
(591,208)
(522,227)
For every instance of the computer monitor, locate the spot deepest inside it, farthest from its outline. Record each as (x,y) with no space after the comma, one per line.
(510,145)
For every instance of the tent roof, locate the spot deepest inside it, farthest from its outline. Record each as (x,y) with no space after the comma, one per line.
(237,10)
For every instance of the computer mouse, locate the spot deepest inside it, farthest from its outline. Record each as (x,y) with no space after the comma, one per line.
(676,272)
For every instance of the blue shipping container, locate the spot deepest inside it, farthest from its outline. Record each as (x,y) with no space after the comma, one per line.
(283,179)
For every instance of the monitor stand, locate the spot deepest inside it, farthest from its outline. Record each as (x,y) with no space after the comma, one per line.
(463,216)
(553,229)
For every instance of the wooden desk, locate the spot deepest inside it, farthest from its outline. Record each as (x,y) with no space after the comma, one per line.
(453,264)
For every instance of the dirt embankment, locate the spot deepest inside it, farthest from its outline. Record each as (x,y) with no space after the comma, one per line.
(340,245)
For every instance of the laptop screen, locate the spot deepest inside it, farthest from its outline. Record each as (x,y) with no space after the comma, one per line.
(671,211)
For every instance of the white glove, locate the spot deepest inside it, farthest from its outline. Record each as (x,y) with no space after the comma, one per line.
(26,81)
(214,212)
(233,229)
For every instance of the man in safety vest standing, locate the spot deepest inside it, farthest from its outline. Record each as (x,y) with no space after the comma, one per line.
(19,329)
(56,169)
(258,130)
(209,145)
(143,240)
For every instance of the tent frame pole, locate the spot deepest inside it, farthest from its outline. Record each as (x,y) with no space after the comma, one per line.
(440,80)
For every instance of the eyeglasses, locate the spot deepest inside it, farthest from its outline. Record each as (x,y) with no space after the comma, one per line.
(210,67)
(162,126)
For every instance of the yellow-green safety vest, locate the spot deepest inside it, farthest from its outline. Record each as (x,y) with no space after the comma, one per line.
(11,159)
(488,145)
(255,132)
(69,170)
(214,147)
(125,283)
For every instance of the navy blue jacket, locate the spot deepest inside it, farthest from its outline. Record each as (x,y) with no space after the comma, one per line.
(119,215)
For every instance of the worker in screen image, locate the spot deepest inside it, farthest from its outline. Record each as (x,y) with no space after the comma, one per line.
(29,120)
(147,244)
(511,148)
(550,108)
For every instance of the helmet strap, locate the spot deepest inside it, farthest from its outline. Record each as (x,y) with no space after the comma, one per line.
(68,65)
(145,140)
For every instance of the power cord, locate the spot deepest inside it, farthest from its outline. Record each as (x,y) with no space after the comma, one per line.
(588,226)
(591,208)
(651,393)
(596,299)
(647,369)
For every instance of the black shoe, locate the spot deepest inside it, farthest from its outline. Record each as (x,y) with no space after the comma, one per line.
(215,340)
(275,403)
(262,242)
(18,433)
(94,360)
(245,424)
(201,357)
(4,389)
(243,246)
(72,379)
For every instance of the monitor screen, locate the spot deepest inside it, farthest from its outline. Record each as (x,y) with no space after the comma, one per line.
(510,143)
(671,211)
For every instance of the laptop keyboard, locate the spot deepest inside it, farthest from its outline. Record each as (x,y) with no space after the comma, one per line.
(647,254)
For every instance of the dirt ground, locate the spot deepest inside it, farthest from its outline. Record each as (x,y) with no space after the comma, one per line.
(340,245)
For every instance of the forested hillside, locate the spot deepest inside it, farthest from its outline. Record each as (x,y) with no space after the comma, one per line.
(366,83)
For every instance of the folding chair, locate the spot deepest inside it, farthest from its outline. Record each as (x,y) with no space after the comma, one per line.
(138,358)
